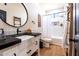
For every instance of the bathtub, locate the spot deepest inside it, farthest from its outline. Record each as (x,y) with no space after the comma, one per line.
(58,40)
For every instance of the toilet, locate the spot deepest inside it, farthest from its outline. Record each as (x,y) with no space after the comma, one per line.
(46,42)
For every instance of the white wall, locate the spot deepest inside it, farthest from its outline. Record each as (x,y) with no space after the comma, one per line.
(32,15)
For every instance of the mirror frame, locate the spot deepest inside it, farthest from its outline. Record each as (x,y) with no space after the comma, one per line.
(26,18)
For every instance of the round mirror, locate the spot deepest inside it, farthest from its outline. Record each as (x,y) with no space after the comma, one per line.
(14,14)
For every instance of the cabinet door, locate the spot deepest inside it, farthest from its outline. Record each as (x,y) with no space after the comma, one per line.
(35,44)
(10,52)
(22,53)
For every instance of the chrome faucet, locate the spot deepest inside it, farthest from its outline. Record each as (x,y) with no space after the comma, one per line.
(18,31)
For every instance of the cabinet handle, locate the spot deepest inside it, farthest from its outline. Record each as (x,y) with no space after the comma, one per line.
(29,51)
(14,54)
(36,43)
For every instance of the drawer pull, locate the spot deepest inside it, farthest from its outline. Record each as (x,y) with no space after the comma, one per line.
(29,51)
(14,54)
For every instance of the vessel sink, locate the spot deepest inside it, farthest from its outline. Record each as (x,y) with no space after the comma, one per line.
(25,37)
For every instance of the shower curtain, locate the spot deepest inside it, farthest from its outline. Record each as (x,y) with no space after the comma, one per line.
(52,27)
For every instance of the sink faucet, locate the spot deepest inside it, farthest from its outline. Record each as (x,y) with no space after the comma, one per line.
(18,31)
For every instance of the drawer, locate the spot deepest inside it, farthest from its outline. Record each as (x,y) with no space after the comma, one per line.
(33,49)
(23,53)
(25,44)
(17,51)
(10,52)
(29,43)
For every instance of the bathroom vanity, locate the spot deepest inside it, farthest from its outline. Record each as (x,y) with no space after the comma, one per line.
(26,47)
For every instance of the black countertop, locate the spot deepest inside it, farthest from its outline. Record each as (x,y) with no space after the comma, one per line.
(26,33)
(8,41)
(11,40)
